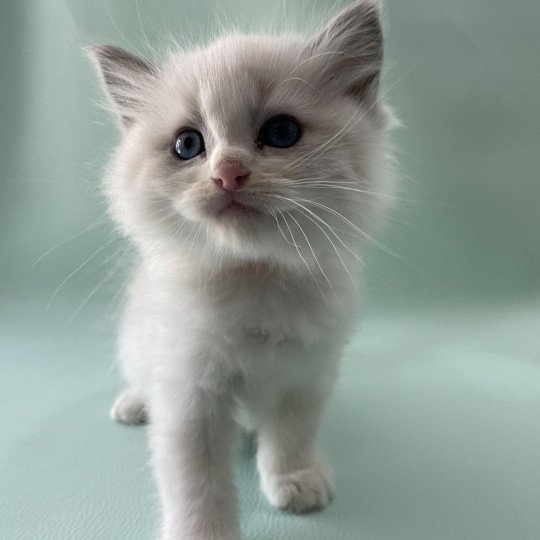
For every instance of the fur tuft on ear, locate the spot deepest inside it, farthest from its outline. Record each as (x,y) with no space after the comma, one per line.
(126,79)
(348,53)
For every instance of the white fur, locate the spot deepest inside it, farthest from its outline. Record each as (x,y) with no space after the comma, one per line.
(244,317)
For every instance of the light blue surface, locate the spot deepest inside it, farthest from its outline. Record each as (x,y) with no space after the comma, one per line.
(433,431)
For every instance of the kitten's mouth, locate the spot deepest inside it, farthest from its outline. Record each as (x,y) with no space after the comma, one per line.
(238,209)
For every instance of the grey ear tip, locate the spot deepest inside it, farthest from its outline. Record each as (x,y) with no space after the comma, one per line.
(367,4)
(93,48)
(112,58)
(103,51)
(96,52)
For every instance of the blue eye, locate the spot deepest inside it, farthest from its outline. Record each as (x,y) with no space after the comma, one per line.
(188,144)
(280,132)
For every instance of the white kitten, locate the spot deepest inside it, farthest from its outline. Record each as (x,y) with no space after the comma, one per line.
(247,175)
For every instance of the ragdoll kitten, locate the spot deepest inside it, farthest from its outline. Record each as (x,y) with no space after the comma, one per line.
(249,176)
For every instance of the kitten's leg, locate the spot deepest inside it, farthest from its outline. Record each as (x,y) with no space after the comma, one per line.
(190,438)
(129,408)
(135,353)
(293,477)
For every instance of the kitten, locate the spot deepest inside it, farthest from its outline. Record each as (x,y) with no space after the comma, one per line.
(247,176)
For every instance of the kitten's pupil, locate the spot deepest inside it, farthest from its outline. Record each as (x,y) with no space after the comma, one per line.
(281,131)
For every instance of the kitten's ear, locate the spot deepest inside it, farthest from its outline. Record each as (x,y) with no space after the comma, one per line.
(127,80)
(348,53)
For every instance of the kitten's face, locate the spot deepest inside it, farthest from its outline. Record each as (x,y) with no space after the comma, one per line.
(253,148)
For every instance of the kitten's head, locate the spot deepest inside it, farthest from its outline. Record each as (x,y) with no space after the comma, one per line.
(253,148)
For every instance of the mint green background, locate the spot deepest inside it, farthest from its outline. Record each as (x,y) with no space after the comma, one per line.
(434,429)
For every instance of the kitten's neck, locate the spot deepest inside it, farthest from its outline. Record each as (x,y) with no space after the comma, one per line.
(215,271)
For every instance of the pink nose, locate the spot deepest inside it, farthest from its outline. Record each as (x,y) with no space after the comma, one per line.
(230,176)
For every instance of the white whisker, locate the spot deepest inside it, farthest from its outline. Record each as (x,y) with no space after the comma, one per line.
(311,249)
(99,222)
(99,285)
(354,227)
(82,265)
(329,239)
(302,257)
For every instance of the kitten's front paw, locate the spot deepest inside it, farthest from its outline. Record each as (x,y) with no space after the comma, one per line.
(129,408)
(301,491)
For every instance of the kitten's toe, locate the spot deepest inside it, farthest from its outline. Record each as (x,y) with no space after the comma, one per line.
(300,491)
(129,408)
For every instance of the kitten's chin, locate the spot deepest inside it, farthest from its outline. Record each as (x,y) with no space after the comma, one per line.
(237,230)
(247,235)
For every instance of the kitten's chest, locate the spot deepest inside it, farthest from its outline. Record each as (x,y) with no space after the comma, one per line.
(267,309)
